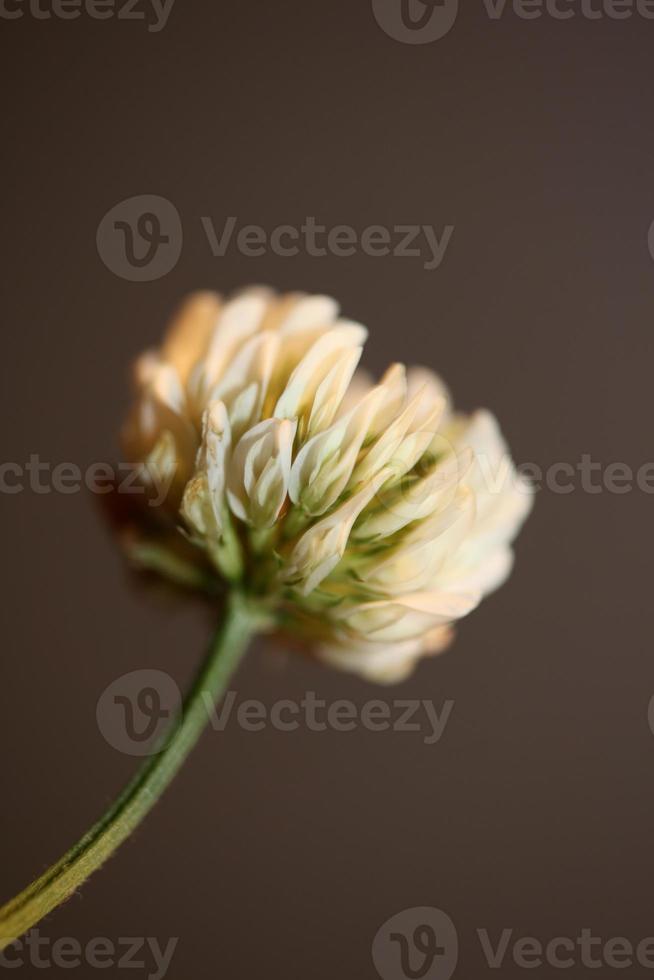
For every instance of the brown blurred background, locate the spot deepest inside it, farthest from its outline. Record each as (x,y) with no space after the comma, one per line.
(281,854)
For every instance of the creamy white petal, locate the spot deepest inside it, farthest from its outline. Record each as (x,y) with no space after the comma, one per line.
(484,575)
(239,320)
(406,617)
(159,431)
(422,379)
(305,319)
(321,548)
(165,385)
(324,464)
(216,445)
(259,471)
(203,501)
(360,385)
(250,373)
(300,391)
(383,663)
(394,384)
(309,313)
(414,500)
(331,391)
(399,446)
(413,564)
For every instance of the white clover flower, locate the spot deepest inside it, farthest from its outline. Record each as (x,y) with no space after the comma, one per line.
(366,518)
(369,517)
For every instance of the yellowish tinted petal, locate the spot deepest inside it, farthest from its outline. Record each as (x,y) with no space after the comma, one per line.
(188,336)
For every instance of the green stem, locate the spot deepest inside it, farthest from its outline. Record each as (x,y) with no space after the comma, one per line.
(61,880)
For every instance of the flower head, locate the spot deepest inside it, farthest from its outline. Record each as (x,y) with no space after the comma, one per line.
(368,517)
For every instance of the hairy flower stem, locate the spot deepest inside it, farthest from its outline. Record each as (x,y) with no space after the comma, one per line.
(60,881)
